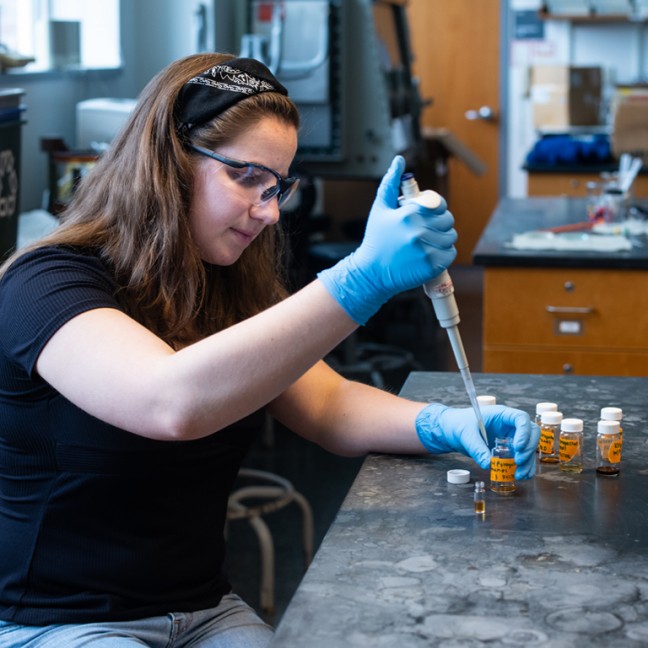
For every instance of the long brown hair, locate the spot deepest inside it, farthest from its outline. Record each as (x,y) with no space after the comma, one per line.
(132,209)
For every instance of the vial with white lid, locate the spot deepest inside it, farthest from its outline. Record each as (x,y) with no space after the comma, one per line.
(550,437)
(486,399)
(543,407)
(608,449)
(613,414)
(571,445)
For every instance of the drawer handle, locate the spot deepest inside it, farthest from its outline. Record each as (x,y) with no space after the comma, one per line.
(579,310)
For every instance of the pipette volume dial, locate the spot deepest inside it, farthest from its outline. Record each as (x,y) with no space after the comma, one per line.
(441,291)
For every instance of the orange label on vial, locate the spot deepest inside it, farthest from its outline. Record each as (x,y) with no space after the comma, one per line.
(568,449)
(610,450)
(546,441)
(502,470)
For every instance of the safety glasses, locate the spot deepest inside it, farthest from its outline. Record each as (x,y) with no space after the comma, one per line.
(258,183)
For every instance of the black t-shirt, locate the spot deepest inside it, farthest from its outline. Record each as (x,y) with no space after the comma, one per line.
(97,523)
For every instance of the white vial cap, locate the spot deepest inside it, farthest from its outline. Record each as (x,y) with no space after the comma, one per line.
(571,425)
(611,413)
(608,427)
(551,418)
(458,476)
(546,407)
(486,400)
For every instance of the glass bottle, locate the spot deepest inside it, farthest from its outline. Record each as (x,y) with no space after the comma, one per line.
(571,445)
(480,498)
(613,414)
(608,449)
(543,407)
(550,437)
(502,469)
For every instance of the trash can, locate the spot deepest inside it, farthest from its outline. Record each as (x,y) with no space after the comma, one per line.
(11,120)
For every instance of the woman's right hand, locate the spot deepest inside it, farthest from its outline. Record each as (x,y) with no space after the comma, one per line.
(403,248)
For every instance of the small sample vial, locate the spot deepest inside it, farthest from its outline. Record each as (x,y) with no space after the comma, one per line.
(543,407)
(571,445)
(549,437)
(613,414)
(486,400)
(608,448)
(502,469)
(480,498)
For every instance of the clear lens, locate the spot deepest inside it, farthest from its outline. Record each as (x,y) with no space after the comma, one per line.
(287,193)
(254,182)
(257,185)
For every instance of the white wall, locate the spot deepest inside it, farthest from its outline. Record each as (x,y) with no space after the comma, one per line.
(621,49)
(154,32)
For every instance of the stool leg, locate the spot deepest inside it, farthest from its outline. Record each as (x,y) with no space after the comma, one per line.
(267,566)
(307,514)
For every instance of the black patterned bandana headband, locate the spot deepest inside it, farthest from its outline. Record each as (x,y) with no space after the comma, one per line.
(215,90)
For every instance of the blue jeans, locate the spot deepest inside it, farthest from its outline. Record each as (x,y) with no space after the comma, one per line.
(232,624)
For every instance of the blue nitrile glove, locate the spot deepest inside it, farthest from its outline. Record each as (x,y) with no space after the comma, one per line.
(445,429)
(403,248)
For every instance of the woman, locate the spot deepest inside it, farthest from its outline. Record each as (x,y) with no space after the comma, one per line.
(138,338)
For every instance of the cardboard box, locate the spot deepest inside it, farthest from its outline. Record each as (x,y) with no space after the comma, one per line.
(630,125)
(564,96)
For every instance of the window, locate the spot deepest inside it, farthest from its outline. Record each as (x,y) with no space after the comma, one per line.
(60,34)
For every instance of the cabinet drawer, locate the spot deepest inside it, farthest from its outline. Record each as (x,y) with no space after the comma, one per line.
(575,184)
(556,184)
(566,308)
(558,361)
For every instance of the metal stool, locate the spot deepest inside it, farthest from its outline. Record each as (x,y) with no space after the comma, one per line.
(252,503)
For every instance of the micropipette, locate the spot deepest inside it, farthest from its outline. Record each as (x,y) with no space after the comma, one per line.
(440,290)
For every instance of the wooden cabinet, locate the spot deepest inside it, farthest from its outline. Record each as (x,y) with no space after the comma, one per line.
(586,321)
(574,184)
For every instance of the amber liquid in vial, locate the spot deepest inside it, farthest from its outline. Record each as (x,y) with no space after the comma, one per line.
(608,471)
(502,470)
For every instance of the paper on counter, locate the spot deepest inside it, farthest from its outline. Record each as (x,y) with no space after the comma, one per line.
(580,241)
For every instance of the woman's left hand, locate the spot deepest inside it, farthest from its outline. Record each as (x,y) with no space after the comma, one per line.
(445,429)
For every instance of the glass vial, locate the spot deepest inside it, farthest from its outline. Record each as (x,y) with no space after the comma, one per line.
(480,498)
(502,469)
(543,407)
(571,445)
(613,414)
(608,449)
(550,437)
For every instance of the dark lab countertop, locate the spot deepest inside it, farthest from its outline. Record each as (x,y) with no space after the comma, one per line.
(563,562)
(519,215)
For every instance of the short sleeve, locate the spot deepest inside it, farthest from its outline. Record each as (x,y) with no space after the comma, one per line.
(44,289)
